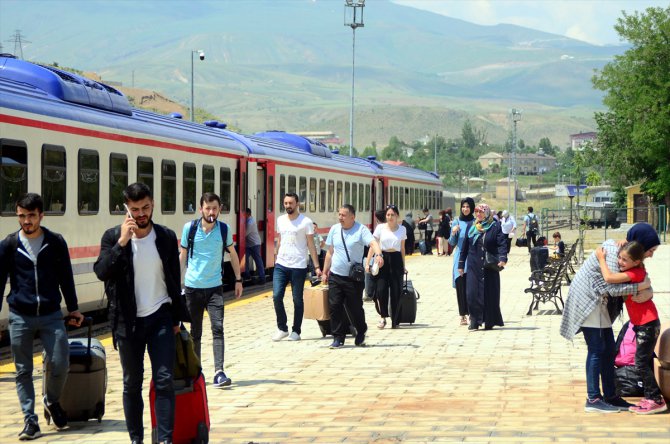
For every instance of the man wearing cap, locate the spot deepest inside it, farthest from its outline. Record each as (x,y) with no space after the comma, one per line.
(591,307)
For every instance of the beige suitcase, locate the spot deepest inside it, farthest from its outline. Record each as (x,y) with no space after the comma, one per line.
(316,303)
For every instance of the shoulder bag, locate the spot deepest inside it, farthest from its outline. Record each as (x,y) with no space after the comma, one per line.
(356,270)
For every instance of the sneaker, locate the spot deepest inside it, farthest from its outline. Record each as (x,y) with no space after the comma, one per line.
(620,403)
(360,340)
(58,415)
(336,344)
(30,431)
(599,406)
(281,334)
(221,380)
(649,407)
(294,336)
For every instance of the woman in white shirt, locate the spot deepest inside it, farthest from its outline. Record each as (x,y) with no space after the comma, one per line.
(391,237)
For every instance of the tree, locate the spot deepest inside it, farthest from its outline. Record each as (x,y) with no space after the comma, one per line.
(468,133)
(546,146)
(394,150)
(369,151)
(634,133)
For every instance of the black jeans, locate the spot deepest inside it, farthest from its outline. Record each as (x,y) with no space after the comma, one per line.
(530,235)
(429,241)
(389,284)
(211,299)
(461,296)
(645,340)
(155,333)
(344,292)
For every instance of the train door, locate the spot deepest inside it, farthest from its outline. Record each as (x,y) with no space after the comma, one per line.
(380,192)
(268,234)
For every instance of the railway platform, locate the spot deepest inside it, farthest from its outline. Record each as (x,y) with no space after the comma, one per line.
(429,382)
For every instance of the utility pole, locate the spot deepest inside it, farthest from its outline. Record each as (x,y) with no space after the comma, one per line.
(435,149)
(353,17)
(18,41)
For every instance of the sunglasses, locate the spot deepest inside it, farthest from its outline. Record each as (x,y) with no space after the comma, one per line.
(389,207)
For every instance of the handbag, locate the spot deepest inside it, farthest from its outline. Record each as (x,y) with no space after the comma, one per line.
(490,260)
(521,242)
(356,270)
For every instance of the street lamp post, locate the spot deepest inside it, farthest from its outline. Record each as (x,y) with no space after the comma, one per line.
(353,17)
(435,149)
(516,117)
(201,55)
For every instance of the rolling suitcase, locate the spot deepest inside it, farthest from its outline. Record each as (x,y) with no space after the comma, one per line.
(422,248)
(191,412)
(83,397)
(406,311)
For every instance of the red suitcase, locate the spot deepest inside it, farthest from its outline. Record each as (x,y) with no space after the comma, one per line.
(191,415)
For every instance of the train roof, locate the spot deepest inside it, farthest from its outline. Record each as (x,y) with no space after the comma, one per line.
(37,89)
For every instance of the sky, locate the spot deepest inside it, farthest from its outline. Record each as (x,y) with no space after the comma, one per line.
(591,21)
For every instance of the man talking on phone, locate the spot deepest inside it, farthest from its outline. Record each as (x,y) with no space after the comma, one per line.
(139,263)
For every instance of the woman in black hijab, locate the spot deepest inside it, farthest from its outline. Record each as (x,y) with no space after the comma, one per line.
(459,231)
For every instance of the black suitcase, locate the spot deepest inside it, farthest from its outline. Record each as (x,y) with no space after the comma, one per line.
(83,397)
(406,312)
(324,326)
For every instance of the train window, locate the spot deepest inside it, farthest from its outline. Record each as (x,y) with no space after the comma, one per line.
(338,200)
(291,185)
(13,174)
(189,193)
(207,179)
(302,193)
(331,196)
(367,197)
(89,182)
(271,194)
(245,186)
(282,192)
(354,195)
(361,197)
(225,189)
(145,171)
(312,195)
(322,195)
(347,193)
(168,186)
(53,179)
(118,181)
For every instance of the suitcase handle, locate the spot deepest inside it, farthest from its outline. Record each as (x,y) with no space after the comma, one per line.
(89,323)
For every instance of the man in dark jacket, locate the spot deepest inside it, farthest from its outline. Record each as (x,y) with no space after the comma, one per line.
(139,263)
(30,256)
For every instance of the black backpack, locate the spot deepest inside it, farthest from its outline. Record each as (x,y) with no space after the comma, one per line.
(533,225)
(223,229)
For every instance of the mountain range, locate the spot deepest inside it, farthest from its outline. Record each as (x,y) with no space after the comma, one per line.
(287,64)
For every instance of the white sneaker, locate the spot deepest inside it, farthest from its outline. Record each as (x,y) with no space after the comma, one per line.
(294,336)
(281,334)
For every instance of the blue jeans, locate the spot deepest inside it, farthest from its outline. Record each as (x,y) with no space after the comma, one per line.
(155,333)
(280,279)
(197,300)
(254,252)
(599,362)
(22,330)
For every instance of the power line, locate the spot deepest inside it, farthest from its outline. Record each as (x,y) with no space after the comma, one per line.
(18,41)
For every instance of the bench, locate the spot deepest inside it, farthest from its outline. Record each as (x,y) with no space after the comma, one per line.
(545,286)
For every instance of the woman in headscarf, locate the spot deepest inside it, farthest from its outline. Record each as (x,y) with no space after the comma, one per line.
(483,283)
(459,232)
(591,308)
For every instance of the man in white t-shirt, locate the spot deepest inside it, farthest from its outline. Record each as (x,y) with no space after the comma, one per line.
(139,263)
(296,241)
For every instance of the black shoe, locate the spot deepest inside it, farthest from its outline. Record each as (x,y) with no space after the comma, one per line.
(360,340)
(619,403)
(336,344)
(30,431)
(58,415)
(473,327)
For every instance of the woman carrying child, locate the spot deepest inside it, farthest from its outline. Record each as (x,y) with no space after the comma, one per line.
(644,318)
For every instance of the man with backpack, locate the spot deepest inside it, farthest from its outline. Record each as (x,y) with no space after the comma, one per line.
(30,256)
(531,226)
(203,244)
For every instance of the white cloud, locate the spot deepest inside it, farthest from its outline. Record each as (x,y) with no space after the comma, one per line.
(588,20)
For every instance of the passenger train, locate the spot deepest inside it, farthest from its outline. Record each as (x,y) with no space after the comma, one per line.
(79,143)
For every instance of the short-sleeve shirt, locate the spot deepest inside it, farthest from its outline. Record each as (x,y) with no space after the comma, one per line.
(390,240)
(293,250)
(204,267)
(639,313)
(252,237)
(357,238)
(429,222)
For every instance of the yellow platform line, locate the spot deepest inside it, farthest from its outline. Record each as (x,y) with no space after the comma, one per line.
(7,365)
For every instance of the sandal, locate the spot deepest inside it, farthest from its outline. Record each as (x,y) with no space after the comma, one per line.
(464,321)
(381,324)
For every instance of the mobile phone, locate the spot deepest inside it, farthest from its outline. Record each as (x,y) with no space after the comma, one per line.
(128,211)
